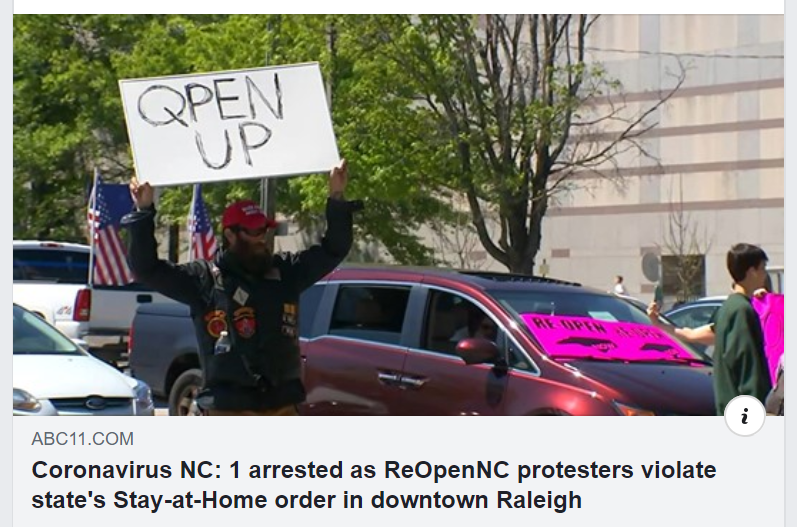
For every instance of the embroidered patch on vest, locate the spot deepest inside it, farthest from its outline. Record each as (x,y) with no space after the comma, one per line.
(290,320)
(216,323)
(244,321)
(289,314)
(240,296)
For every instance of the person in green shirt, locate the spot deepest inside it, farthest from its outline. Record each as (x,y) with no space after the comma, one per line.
(739,362)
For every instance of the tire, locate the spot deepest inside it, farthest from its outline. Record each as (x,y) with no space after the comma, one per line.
(182,398)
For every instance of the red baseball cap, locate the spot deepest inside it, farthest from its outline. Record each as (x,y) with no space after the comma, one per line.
(246,214)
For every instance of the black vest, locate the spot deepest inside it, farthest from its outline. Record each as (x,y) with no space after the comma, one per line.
(261,319)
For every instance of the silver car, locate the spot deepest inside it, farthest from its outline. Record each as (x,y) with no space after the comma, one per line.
(55,376)
(696,314)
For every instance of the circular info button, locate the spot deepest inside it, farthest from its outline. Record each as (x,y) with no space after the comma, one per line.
(745,415)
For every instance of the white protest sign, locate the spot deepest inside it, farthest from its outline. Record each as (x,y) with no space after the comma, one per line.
(264,122)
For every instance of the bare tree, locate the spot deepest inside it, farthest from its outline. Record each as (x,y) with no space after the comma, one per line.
(364,250)
(455,241)
(686,244)
(458,246)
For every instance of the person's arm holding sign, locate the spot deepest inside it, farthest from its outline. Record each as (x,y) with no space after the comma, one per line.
(314,263)
(700,335)
(180,282)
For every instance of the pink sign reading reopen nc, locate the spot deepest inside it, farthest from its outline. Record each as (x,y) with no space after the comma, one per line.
(771,310)
(575,337)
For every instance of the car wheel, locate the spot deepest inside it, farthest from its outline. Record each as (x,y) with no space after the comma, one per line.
(182,398)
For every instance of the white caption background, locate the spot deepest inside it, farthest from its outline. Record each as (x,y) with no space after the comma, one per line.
(747,488)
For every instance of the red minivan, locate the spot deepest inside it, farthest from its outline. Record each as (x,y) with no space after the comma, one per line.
(416,341)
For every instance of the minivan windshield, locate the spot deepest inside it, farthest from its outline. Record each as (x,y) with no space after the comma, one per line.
(593,326)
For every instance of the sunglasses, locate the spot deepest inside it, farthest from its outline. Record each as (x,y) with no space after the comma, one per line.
(252,233)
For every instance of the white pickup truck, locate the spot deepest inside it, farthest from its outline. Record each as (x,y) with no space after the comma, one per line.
(51,279)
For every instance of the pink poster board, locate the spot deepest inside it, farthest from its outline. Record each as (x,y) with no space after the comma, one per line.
(770,309)
(575,337)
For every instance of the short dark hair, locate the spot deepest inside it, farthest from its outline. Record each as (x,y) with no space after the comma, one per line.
(742,257)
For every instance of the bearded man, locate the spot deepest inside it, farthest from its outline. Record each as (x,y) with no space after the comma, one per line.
(245,303)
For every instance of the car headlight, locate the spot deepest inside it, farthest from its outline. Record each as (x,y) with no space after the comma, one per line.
(25,402)
(143,402)
(629,410)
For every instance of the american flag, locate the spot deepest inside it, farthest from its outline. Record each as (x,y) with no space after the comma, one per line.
(107,204)
(200,231)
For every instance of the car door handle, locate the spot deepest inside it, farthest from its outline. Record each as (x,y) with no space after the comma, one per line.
(389,378)
(144,299)
(412,382)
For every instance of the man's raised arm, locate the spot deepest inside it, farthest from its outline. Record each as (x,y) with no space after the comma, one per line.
(180,282)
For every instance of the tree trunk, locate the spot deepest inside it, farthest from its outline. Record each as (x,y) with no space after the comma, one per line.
(522,265)
(525,242)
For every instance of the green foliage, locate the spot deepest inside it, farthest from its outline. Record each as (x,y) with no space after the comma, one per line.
(68,117)
(424,108)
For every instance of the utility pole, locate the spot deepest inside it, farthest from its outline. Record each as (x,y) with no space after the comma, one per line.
(268,191)
(332,36)
(268,186)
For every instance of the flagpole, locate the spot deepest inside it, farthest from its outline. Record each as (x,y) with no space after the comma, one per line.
(92,223)
(191,215)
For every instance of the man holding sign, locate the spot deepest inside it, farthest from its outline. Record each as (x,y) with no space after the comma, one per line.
(244,304)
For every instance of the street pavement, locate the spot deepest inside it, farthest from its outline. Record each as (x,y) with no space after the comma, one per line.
(161,407)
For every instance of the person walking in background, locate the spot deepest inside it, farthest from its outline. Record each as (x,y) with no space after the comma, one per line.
(619,288)
(740,366)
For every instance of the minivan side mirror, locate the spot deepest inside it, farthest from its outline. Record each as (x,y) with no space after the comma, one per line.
(477,351)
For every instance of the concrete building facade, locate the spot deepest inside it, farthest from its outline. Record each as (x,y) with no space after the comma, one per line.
(715,157)
(718,150)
